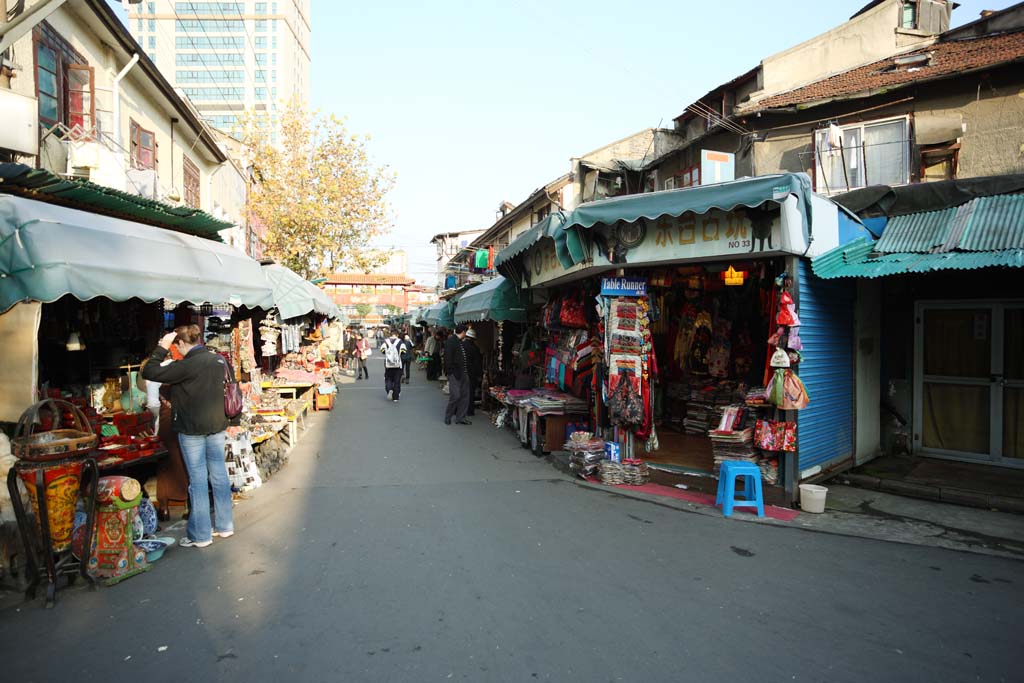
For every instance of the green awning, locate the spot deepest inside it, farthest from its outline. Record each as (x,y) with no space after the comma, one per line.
(983,233)
(49,251)
(495,299)
(44,186)
(569,246)
(860,258)
(440,314)
(748,192)
(295,297)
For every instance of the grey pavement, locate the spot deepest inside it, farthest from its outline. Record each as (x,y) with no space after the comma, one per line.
(395,548)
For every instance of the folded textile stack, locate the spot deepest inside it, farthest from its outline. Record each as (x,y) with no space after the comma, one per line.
(769,469)
(756,396)
(731,440)
(699,409)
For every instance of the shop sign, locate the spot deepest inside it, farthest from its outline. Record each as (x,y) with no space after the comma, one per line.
(623,286)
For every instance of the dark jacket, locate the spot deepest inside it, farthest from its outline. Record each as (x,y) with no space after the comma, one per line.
(196,387)
(454,357)
(474,360)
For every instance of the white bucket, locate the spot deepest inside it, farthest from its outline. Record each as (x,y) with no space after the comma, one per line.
(812,498)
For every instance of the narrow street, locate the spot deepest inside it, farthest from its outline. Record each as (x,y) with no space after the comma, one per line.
(395,548)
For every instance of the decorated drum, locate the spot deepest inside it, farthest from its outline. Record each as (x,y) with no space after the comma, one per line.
(120,492)
(61,479)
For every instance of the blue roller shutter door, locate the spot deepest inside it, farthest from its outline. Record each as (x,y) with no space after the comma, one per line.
(826,426)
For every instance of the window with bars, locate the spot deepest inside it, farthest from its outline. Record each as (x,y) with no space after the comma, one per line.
(210,8)
(209,76)
(209,59)
(144,147)
(862,154)
(261,42)
(209,25)
(209,42)
(190,182)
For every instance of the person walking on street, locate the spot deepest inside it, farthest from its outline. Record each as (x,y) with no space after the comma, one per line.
(407,358)
(362,353)
(430,351)
(393,349)
(197,398)
(458,377)
(474,368)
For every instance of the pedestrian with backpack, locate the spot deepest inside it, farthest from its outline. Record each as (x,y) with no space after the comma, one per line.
(393,349)
(407,358)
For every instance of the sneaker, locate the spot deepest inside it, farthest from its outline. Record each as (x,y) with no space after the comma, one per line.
(389,395)
(224,534)
(187,542)
(394,400)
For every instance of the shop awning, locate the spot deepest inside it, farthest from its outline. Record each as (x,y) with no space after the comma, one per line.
(496,300)
(983,233)
(749,192)
(440,314)
(49,251)
(295,297)
(570,247)
(40,184)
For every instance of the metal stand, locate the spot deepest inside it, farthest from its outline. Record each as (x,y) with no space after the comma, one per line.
(40,559)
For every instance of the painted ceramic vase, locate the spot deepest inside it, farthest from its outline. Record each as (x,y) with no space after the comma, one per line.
(61,479)
(120,492)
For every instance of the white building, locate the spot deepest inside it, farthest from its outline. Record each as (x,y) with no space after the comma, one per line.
(228,57)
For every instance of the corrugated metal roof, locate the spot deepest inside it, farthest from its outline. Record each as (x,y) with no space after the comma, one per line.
(44,186)
(860,258)
(982,224)
(997,223)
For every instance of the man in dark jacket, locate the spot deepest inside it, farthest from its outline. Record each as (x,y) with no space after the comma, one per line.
(196,384)
(458,377)
(474,367)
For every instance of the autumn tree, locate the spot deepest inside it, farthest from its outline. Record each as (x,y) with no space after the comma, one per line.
(315,188)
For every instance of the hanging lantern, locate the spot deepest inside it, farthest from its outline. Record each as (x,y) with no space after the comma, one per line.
(734,277)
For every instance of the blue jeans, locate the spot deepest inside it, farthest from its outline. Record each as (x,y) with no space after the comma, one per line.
(204,460)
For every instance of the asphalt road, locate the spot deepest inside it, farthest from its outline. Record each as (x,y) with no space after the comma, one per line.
(395,548)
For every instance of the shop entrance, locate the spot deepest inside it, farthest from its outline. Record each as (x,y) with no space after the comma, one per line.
(969,381)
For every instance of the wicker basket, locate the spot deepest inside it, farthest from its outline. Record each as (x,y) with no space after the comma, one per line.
(63,442)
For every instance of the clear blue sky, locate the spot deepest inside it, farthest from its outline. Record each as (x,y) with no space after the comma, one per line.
(472,102)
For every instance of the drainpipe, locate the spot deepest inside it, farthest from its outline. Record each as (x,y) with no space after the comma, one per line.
(117,97)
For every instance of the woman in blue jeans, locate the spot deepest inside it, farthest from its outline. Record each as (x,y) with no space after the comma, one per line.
(197,398)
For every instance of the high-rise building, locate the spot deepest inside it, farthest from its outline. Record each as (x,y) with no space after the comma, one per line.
(228,57)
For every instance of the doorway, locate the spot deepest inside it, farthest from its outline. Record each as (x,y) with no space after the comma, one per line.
(969,381)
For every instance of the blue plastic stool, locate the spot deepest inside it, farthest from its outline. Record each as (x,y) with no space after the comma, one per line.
(752,493)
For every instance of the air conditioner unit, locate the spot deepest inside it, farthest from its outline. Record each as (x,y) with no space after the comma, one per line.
(20,130)
(142,182)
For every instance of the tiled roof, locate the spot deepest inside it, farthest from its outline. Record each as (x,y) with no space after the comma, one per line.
(368,279)
(946,59)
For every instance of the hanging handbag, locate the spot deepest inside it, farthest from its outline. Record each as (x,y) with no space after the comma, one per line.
(794,393)
(232,394)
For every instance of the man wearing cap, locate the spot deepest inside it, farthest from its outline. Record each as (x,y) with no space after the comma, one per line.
(474,367)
